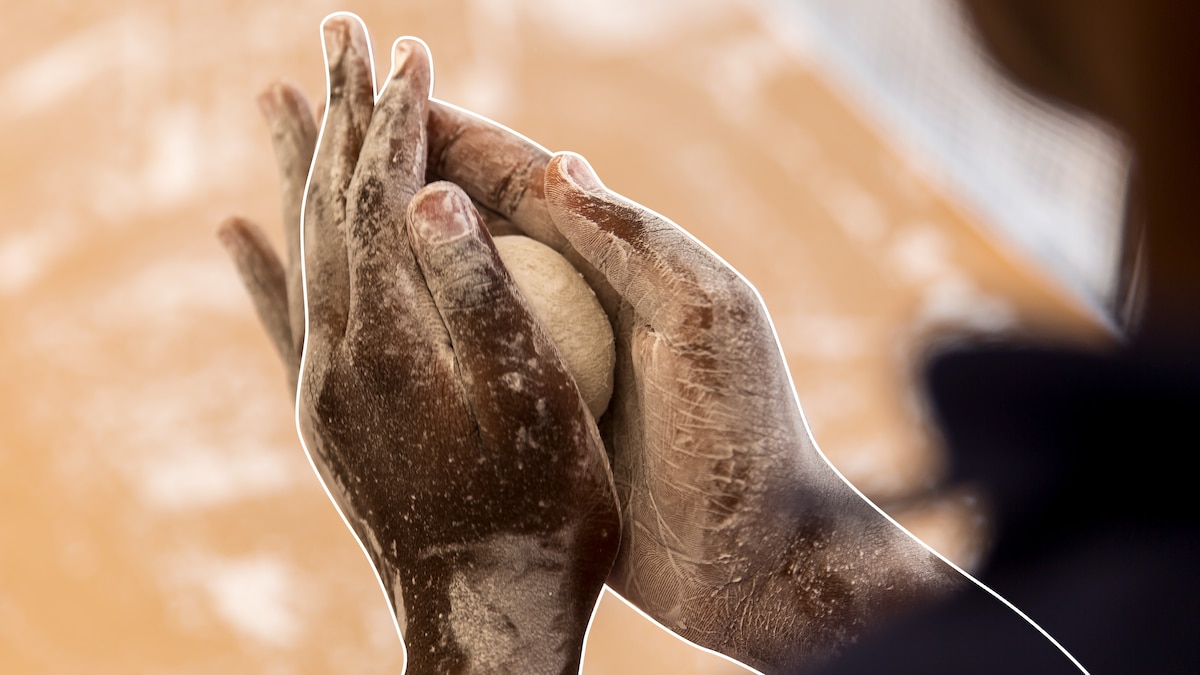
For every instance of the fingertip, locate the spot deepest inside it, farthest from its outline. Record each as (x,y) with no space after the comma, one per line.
(412,64)
(343,32)
(247,245)
(407,53)
(269,101)
(230,233)
(281,98)
(243,239)
(335,35)
(441,212)
(576,171)
(577,201)
(401,56)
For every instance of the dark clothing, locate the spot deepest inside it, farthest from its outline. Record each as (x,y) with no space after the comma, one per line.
(1088,462)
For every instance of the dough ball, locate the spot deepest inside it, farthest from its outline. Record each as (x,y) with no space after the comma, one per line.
(570,312)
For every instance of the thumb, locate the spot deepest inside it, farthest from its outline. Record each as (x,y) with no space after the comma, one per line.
(670,278)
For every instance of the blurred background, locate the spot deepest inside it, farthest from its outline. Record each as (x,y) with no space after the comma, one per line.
(857,160)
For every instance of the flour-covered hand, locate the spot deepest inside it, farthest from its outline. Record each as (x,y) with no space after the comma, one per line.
(736,533)
(433,404)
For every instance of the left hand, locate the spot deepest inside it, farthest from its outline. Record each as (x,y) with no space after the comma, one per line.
(736,532)
(435,407)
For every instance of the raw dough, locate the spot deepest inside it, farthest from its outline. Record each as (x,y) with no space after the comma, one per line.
(570,312)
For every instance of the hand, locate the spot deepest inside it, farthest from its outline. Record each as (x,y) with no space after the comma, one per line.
(436,409)
(736,533)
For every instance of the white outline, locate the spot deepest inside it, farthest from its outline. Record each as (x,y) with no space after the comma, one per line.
(758,297)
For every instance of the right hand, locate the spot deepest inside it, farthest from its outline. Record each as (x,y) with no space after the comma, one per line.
(437,410)
(736,532)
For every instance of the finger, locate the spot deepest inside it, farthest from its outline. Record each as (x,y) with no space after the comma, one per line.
(672,281)
(391,168)
(294,137)
(497,167)
(263,276)
(505,172)
(507,359)
(497,225)
(350,99)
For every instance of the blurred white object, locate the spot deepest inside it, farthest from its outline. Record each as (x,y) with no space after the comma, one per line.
(1047,180)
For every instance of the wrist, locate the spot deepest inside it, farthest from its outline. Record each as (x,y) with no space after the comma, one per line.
(788,579)
(510,604)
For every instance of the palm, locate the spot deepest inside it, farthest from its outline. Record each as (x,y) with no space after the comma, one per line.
(699,436)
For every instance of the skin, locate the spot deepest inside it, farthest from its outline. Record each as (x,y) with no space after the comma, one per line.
(722,498)
(737,535)
(437,411)
(734,531)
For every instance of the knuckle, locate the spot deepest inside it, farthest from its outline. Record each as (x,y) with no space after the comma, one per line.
(735,293)
(508,192)
(445,133)
(474,294)
(322,396)
(712,305)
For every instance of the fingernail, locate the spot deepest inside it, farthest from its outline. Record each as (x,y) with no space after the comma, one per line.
(441,213)
(334,33)
(578,171)
(400,57)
